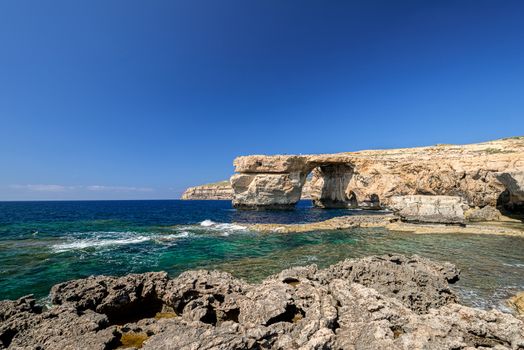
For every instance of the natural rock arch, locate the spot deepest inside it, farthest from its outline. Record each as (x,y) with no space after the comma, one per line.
(371,179)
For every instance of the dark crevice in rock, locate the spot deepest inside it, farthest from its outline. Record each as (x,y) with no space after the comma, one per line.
(477,340)
(134,311)
(218,297)
(231,315)
(397,331)
(291,281)
(186,298)
(7,336)
(210,317)
(115,342)
(292,314)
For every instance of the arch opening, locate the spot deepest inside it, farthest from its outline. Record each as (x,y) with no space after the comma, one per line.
(327,186)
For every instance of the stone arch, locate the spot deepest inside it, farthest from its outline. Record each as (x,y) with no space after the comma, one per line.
(329,183)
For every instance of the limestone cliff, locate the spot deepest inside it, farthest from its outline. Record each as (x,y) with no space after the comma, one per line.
(479,175)
(223,191)
(215,191)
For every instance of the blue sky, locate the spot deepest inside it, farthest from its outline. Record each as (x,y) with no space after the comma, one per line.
(127,99)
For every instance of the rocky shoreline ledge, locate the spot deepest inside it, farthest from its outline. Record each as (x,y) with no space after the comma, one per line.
(378,302)
(393,222)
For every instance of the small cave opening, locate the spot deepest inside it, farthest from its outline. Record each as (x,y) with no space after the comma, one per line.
(231,315)
(292,314)
(291,281)
(210,316)
(510,207)
(7,337)
(135,311)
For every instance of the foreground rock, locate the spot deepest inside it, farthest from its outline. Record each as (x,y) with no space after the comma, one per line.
(387,302)
(483,174)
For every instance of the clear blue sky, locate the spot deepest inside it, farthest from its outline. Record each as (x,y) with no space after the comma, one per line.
(122,99)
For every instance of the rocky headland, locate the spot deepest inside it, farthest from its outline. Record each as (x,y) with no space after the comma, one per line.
(223,191)
(378,302)
(442,183)
(215,191)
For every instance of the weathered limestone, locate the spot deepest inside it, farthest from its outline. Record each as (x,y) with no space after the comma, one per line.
(514,182)
(379,302)
(217,191)
(436,209)
(224,191)
(505,227)
(369,179)
(517,301)
(272,190)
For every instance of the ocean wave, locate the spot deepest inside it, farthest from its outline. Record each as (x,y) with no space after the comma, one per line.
(514,265)
(225,228)
(105,239)
(97,243)
(171,237)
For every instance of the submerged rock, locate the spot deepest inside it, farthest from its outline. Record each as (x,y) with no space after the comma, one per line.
(379,302)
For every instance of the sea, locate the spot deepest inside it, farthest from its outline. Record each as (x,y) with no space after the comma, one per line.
(48,242)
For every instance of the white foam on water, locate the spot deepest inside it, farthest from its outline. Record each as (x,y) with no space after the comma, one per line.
(172,237)
(230,227)
(514,265)
(225,228)
(96,243)
(207,223)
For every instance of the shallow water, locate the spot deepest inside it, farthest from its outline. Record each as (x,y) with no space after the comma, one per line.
(43,243)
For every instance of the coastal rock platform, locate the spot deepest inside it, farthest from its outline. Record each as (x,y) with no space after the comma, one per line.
(378,302)
(394,222)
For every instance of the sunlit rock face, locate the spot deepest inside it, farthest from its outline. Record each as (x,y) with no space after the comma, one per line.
(267,191)
(369,179)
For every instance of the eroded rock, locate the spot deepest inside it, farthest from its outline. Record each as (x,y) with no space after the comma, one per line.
(382,302)
(369,179)
(433,209)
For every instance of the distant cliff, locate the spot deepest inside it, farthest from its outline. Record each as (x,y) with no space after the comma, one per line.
(223,191)
(214,191)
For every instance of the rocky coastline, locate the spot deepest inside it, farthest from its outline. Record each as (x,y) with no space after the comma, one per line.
(393,222)
(466,177)
(378,302)
(448,184)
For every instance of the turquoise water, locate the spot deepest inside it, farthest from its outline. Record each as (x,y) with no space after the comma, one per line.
(43,243)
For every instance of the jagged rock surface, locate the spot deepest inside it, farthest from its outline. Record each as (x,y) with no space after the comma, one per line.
(386,302)
(369,179)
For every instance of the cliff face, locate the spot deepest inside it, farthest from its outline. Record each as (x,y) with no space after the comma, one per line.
(479,175)
(224,191)
(217,191)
